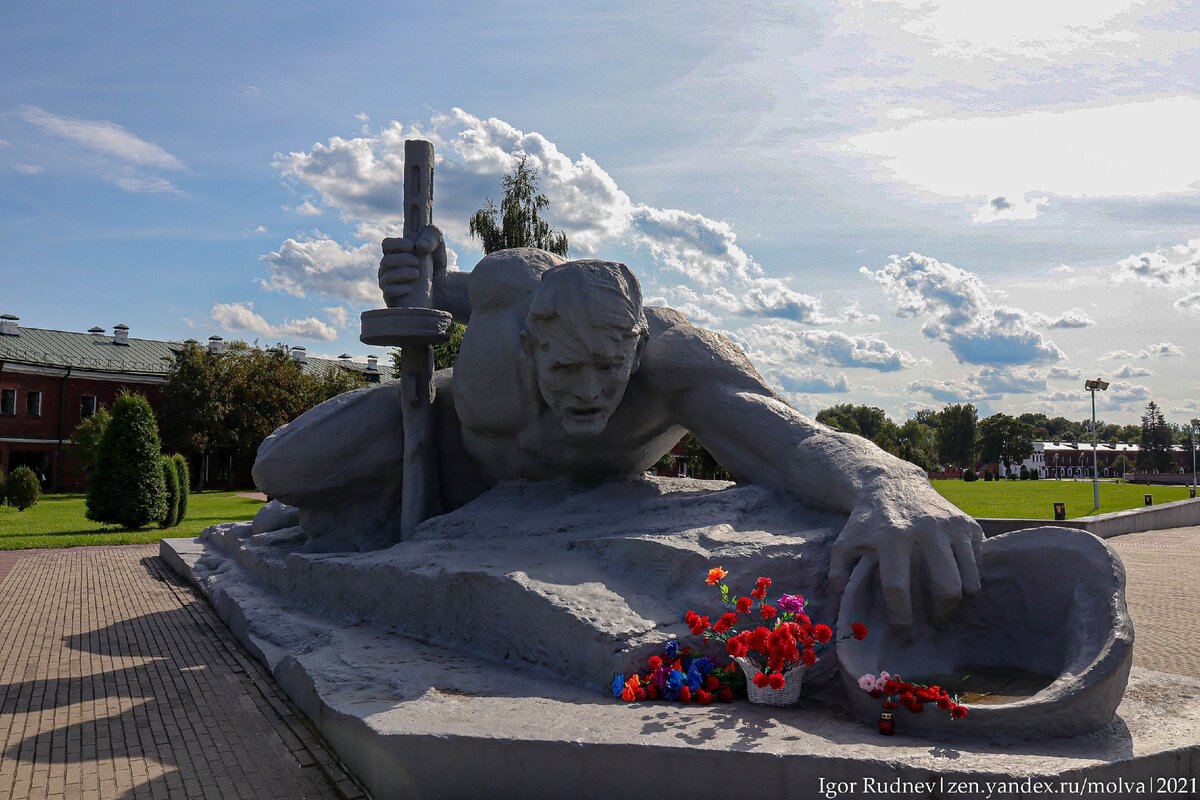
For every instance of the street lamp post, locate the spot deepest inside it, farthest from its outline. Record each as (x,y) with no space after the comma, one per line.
(1093,386)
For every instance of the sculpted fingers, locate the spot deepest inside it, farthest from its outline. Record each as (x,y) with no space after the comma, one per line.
(968,552)
(895,579)
(846,551)
(396,245)
(945,581)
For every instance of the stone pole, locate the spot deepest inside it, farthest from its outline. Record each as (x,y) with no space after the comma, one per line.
(413,326)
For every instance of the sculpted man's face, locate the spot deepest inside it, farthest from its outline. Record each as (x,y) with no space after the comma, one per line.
(583,377)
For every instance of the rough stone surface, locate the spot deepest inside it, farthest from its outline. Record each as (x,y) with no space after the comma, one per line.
(1052,603)
(414,720)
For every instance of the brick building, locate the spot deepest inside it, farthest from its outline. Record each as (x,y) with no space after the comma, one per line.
(50,381)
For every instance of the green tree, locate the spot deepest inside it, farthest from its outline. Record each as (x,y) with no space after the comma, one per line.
(700,462)
(956,428)
(127,488)
(444,354)
(87,436)
(183,475)
(170,517)
(234,399)
(1005,440)
(1156,439)
(23,488)
(917,443)
(518,222)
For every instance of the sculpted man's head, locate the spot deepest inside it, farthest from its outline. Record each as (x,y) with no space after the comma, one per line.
(585,334)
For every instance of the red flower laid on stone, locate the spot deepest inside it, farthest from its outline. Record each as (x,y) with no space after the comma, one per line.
(858,630)
(786,639)
(913,696)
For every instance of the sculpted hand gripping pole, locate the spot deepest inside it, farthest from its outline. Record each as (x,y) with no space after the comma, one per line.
(412,325)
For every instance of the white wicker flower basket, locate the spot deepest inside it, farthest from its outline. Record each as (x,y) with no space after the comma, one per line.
(766,696)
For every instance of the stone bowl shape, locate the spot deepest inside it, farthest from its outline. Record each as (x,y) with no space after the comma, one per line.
(1052,603)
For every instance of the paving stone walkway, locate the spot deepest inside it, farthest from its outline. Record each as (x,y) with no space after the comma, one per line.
(1162,587)
(118,681)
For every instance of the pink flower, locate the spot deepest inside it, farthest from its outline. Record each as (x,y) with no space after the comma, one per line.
(791,602)
(866,682)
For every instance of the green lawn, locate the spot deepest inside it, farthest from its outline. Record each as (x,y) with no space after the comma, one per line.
(1035,499)
(58,521)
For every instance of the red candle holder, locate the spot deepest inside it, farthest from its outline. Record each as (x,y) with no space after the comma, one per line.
(887,725)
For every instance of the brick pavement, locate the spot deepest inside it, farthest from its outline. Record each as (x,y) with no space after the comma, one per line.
(118,681)
(1162,572)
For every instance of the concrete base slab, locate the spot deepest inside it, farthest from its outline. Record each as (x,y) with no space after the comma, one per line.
(418,721)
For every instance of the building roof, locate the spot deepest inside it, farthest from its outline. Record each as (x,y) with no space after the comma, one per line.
(99,352)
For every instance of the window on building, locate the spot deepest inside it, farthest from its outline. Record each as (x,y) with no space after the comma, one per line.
(8,402)
(33,404)
(87,406)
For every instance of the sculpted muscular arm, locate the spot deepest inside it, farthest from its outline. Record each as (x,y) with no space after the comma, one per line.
(894,512)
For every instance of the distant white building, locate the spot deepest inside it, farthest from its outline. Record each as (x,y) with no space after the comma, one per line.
(1074,459)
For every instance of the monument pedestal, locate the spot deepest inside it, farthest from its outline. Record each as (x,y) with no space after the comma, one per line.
(537,593)
(412,720)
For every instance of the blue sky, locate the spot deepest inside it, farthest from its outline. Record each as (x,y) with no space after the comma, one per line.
(900,203)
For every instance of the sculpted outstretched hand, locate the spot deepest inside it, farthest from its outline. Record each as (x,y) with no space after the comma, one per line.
(907,526)
(400,265)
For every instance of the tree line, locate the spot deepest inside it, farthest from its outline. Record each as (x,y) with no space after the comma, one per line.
(955,436)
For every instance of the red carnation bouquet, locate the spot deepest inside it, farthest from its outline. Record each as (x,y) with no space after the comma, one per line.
(772,642)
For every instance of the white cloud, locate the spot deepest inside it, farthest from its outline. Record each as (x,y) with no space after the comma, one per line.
(948,391)
(28,169)
(1159,350)
(1063,395)
(319,264)
(1064,374)
(1002,208)
(1189,303)
(777,344)
(1025,28)
(1071,152)
(1071,318)
(307,209)
(807,381)
(239,317)
(361,178)
(1129,371)
(1172,267)
(338,316)
(124,158)
(956,310)
(104,137)
(1122,391)
(1009,381)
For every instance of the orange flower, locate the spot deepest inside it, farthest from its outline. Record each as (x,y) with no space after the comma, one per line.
(715,575)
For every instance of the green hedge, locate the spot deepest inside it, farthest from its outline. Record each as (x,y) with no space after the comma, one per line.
(23,488)
(185,485)
(127,487)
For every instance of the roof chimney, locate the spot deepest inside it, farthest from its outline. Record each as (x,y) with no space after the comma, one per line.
(215,344)
(8,325)
(372,363)
(344,357)
(121,334)
(95,330)
(300,353)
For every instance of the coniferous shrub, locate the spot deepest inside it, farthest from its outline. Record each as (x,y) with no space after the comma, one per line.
(127,487)
(170,517)
(23,488)
(987,475)
(969,475)
(1024,472)
(1034,475)
(185,485)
